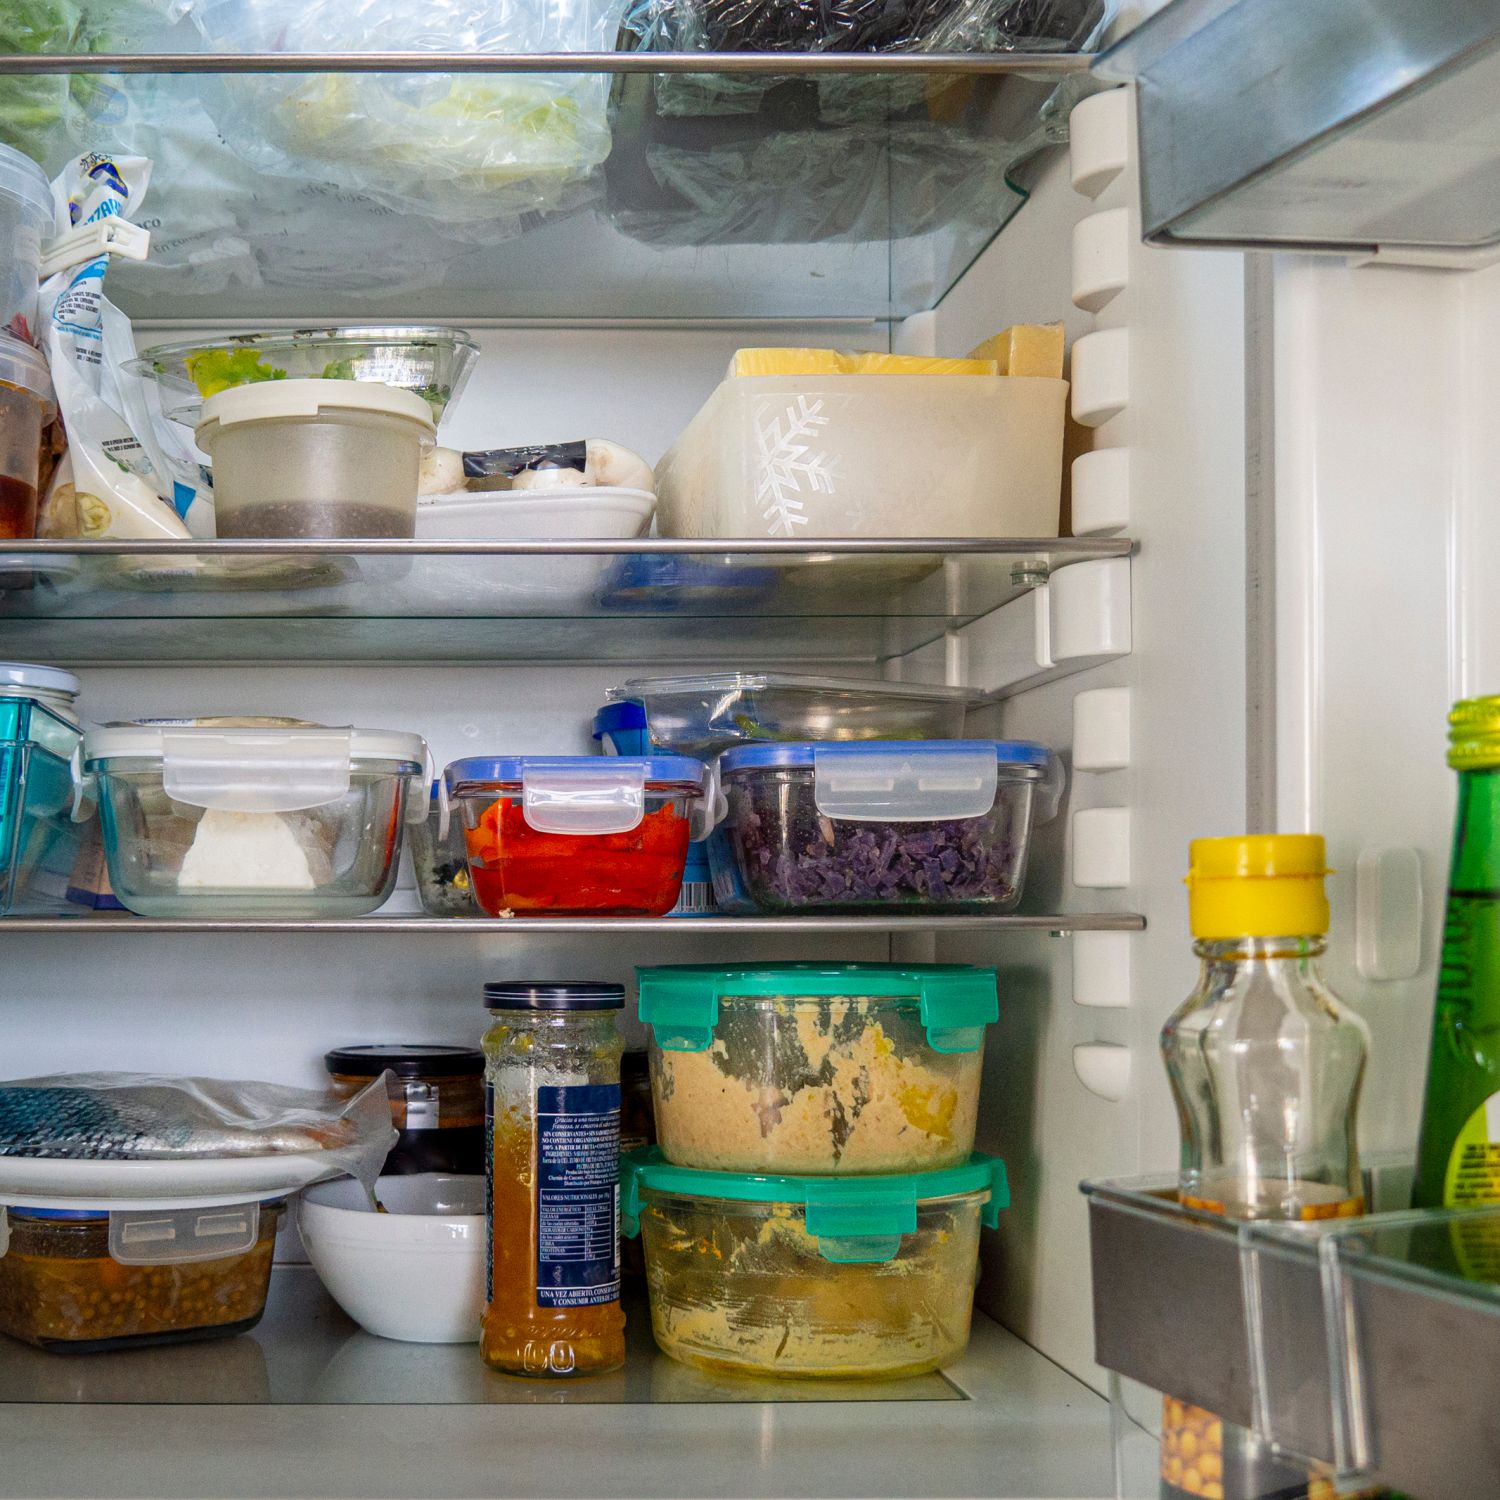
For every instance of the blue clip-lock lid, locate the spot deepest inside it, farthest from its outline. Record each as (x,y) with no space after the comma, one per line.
(581,795)
(903,781)
(856,1220)
(676,769)
(680,1002)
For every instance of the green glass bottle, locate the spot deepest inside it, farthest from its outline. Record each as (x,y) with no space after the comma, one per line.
(1458,1163)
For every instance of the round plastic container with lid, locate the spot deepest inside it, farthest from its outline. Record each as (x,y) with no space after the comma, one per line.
(26,218)
(27,406)
(938,826)
(578,835)
(437,1102)
(811,1276)
(847,1069)
(205,819)
(80,1281)
(315,458)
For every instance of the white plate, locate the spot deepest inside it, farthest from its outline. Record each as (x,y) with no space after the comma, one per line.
(586,513)
(52,1182)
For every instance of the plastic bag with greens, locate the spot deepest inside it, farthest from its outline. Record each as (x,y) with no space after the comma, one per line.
(478,150)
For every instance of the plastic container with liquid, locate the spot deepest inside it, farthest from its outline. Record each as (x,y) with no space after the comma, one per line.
(315,458)
(27,406)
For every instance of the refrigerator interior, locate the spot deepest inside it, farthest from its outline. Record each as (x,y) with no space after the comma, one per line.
(1072,1085)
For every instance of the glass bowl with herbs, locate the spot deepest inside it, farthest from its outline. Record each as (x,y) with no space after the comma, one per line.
(432,362)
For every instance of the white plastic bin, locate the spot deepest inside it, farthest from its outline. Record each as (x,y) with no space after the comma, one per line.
(868,456)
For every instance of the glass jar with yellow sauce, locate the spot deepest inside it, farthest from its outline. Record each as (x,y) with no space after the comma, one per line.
(552,1090)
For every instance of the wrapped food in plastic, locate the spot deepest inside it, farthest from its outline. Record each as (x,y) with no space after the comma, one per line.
(478,149)
(863,25)
(139,1117)
(586,462)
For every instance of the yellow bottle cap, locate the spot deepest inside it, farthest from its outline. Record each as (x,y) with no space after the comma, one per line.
(1257,885)
(1474,734)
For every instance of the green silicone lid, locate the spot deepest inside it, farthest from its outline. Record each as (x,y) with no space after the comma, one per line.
(681,1001)
(855,1219)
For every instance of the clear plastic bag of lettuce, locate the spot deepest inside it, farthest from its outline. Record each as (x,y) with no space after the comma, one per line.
(44,115)
(475,149)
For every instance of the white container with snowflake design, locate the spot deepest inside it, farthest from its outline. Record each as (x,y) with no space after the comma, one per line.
(868,456)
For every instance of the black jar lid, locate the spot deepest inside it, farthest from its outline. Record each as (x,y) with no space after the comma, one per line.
(529,994)
(406,1060)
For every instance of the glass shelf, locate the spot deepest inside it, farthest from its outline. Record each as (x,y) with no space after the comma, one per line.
(95,603)
(659,185)
(1059,922)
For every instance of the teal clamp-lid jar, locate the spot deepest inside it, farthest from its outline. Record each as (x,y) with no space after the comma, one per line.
(855,1220)
(681,1002)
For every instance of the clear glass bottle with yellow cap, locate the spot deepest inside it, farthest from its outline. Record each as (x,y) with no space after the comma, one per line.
(1265,1065)
(1458,1163)
(1265,1061)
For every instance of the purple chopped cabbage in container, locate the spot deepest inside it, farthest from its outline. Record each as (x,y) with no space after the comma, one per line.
(800,846)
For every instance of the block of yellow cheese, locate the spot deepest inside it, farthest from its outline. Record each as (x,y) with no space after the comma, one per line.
(835,362)
(1026,349)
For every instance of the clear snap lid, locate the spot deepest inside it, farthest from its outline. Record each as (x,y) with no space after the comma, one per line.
(856,1220)
(18,678)
(681,1002)
(906,781)
(255,769)
(584,794)
(156,1236)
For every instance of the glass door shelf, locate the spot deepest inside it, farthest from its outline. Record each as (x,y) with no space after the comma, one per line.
(369,186)
(1372,1344)
(92,603)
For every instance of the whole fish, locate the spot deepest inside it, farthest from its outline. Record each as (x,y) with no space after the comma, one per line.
(140,1117)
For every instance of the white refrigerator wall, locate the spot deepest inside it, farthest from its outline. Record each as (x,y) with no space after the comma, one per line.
(1387,382)
(1074,1085)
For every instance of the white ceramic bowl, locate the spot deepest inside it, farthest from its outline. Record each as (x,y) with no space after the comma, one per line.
(415,1272)
(596,513)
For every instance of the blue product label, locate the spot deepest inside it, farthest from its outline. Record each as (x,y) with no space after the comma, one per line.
(489,1190)
(578,1195)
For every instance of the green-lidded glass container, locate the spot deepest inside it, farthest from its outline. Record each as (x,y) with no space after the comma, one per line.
(811,1276)
(38,734)
(836,1069)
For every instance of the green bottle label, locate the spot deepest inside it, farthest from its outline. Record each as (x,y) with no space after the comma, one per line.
(1474,1163)
(1473,1181)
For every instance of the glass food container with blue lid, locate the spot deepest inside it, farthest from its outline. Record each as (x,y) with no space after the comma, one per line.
(920,826)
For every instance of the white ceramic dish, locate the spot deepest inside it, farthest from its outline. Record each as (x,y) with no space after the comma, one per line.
(587,513)
(415,1272)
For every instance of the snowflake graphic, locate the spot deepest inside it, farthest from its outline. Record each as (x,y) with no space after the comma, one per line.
(790,466)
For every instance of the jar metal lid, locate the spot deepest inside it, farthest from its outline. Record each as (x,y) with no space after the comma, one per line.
(405,1060)
(550,995)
